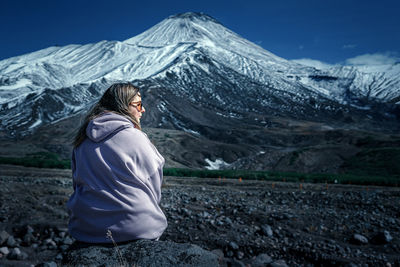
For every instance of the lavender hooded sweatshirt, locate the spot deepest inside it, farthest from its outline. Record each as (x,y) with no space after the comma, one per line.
(117,177)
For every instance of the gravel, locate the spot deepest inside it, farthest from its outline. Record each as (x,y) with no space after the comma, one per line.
(249,222)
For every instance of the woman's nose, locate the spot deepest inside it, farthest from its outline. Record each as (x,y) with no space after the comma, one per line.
(143,109)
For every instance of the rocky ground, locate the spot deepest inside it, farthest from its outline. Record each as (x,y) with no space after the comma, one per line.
(247,221)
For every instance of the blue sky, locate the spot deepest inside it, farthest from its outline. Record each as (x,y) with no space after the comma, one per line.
(331,31)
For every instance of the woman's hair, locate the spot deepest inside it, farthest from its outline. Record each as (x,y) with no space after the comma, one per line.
(116,99)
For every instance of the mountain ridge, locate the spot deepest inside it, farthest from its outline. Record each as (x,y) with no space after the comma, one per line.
(60,67)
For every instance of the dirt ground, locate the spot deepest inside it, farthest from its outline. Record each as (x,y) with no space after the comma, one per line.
(302,224)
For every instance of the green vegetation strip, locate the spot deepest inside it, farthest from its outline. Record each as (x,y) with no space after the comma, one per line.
(52,160)
(287,176)
(38,160)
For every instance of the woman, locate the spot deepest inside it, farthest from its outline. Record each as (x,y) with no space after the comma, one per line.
(117,173)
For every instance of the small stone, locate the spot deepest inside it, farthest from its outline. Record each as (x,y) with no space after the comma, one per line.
(228,220)
(278,263)
(4,250)
(62,234)
(11,242)
(47,264)
(261,260)
(205,214)
(359,239)
(286,241)
(186,212)
(239,255)
(28,239)
(233,245)
(50,243)
(62,229)
(29,229)
(68,241)
(220,223)
(266,229)
(237,263)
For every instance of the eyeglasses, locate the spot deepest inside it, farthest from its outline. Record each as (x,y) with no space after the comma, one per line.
(138,105)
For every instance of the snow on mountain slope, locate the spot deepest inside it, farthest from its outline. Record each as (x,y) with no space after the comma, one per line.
(67,66)
(219,43)
(138,57)
(249,59)
(148,53)
(348,83)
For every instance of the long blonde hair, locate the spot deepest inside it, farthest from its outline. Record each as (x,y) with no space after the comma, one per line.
(116,99)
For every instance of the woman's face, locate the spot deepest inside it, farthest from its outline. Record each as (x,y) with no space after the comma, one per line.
(136,108)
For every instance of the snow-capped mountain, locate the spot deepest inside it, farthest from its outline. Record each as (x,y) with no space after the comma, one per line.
(200,75)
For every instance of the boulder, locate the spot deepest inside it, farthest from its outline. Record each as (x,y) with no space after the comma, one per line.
(140,253)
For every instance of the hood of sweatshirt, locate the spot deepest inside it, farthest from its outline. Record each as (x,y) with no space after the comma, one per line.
(106,124)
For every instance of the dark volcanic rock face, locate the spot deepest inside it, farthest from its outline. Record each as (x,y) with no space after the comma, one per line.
(244,222)
(265,143)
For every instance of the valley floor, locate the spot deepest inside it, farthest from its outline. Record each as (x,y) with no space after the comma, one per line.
(303,224)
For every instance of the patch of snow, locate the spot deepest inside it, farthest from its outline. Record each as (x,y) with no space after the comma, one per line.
(358,107)
(309,82)
(312,63)
(161,107)
(37,123)
(20,83)
(12,67)
(326,128)
(191,131)
(216,165)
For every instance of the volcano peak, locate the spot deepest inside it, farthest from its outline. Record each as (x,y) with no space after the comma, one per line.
(193,16)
